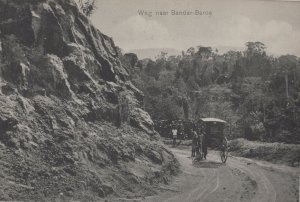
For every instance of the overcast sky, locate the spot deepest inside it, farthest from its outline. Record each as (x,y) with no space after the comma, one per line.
(232,23)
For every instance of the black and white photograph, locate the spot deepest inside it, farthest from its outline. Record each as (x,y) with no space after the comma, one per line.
(150,100)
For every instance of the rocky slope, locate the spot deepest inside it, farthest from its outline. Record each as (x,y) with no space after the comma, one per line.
(71,126)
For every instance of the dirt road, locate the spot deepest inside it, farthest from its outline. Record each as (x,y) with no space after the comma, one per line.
(239,179)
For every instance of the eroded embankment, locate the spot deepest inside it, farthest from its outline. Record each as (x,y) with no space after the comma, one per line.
(71,123)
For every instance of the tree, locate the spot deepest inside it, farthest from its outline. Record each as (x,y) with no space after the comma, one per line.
(162,56)
(204,52)
(153,69)
(131,59)
(257,63)
(191,51)
(290,72)
(87,6)
(255,48)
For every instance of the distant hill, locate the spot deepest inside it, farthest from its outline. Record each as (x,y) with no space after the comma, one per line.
(153,52)
(224,49)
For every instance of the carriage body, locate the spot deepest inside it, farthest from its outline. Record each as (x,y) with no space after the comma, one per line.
(214,131)
(214,135)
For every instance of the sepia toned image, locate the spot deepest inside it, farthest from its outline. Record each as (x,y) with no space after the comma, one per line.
(150,100)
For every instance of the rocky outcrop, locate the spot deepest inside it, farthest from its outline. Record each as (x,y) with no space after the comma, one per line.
(71,126)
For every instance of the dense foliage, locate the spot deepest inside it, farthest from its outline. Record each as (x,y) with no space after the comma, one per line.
(87,6)
(257,94)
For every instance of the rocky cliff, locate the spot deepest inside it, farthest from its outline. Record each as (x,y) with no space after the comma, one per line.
(71,126)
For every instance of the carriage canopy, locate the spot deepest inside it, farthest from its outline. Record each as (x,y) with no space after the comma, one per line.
(213,120)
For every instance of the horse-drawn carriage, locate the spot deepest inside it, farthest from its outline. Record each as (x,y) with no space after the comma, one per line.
(212,128)
(214,135)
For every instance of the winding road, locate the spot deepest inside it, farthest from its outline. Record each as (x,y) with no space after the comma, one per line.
(240,179)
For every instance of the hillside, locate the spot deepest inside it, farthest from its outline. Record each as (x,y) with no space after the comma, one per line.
(257,94)
(71,126)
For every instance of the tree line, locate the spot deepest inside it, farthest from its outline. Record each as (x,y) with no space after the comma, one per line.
(257,94)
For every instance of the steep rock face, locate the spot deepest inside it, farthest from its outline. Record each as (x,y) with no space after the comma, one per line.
(71,126)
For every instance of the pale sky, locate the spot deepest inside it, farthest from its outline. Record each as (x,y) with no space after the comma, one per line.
(232,23)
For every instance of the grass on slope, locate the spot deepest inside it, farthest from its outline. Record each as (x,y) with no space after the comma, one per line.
(282,153)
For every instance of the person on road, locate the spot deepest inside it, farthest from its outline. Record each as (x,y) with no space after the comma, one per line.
(194,143)
(204,143)
(174,136)
(200,143)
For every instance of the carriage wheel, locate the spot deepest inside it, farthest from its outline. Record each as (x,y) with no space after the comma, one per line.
(224,151)
(198,157)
